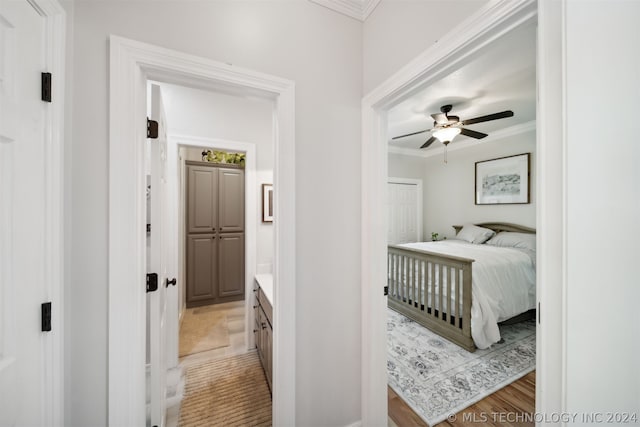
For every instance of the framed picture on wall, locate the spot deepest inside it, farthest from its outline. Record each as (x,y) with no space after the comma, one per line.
(503,181)
(267,202)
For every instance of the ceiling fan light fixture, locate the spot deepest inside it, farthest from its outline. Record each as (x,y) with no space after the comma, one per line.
(446,134)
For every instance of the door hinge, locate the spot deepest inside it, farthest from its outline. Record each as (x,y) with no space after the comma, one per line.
(46,87)
(152,282)
(386,290)
(152,129)
(46,316)
(539,314)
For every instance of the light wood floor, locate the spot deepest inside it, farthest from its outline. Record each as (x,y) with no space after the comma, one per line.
(234,314)
(497,409)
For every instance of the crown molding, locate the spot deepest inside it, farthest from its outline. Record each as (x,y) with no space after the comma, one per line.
(356,9)
(499,134)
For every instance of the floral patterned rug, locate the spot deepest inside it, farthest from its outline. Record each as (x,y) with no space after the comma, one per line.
(437,378)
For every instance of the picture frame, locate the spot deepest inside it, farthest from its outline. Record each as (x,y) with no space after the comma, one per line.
(503,181)
(267,202)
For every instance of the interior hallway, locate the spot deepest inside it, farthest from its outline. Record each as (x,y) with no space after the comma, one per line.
(224,384)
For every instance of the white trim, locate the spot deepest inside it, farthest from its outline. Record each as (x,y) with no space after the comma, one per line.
(250,217)
(53,378)
(459,145)
(492,21)
(551,187)
(357,9)
(368,6)
(420,206)
(131,64)
(356,424)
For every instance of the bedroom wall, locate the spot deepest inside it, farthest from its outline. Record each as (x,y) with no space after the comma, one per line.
(322,52)
(448,196)
(399,30)
(449,188)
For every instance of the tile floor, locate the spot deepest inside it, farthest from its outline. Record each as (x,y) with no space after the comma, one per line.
(234,311)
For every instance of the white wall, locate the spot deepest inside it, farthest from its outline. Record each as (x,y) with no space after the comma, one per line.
(208,114)
(398,30)
(449,188)
(321,51)
(603,207)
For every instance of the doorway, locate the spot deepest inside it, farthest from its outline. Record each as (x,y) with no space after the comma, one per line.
(132,64)
(215,240)
(493,22)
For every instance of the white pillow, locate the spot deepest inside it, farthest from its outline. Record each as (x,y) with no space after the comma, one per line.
(474,234)
(509,239)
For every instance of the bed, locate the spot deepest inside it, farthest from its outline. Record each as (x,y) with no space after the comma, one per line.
(462,288)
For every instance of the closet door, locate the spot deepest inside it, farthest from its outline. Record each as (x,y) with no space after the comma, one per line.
(231,264)
(203,198)
(404,212)
(202,271)
(231,200)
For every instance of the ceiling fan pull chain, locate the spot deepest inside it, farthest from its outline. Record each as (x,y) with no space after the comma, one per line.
(445,154)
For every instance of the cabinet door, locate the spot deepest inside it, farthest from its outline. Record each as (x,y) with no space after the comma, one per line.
(231,200)
(231,264)
(268,350)
(202,199)
(258,332)
(202,274)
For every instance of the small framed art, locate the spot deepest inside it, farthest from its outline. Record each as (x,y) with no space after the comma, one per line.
(503,181)
(267,202)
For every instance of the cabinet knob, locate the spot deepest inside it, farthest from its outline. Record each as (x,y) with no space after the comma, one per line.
(264,325)
(170,282)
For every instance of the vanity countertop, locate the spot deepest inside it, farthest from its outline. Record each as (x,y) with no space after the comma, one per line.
(266,284)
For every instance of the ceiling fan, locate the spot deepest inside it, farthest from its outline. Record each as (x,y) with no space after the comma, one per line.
(446,127)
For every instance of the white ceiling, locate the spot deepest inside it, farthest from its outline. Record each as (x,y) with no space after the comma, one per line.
(500,78)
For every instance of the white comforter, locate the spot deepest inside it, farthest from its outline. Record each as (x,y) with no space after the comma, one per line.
(503,284)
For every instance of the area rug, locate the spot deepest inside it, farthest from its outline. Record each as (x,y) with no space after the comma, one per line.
(203,329)
(437,378)
(226,392)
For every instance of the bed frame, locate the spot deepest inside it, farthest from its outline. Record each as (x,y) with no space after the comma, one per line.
(406,268)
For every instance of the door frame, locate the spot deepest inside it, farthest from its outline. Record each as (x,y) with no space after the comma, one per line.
(419,207)
(491,22)
(250,216)
(132,63)
(54,16)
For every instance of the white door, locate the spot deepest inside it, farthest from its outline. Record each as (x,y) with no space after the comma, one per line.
(158,263)
(23,198)
(404,207)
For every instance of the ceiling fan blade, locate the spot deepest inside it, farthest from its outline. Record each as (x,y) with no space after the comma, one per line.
(472,133)
(409,134)
(429,142)
(489,117)
(440,118)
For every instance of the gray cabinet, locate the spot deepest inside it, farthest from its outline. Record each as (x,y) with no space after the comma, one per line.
(231,200)
(231,264)
(215,234)
(263,332)
(202,196)
(202,266)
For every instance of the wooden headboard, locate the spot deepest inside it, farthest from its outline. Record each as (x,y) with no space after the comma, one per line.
(501,226)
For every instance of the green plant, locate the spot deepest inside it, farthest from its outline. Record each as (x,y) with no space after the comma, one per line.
(224,157)
(434,236)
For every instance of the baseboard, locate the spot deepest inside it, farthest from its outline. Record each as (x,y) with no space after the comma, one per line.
(356,424)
